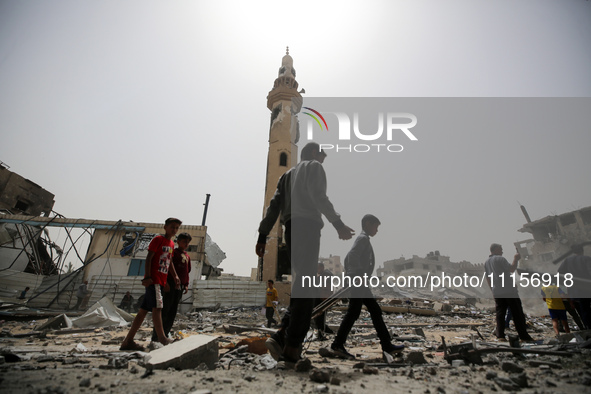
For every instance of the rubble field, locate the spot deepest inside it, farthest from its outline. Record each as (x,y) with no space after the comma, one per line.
(445,352)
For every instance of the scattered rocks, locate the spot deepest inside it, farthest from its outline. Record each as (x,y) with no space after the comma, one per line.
(116,363)
(519,379)
(506,384)
(508,366)
(43,359)
(370,370)
(416,358)
(490,375)
(303,365)
(321,389)
(319,376)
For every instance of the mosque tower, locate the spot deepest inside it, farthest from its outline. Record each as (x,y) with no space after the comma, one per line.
(284,101)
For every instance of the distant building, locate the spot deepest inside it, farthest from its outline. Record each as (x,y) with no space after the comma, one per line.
(416,265)
(432,264)
(333,264)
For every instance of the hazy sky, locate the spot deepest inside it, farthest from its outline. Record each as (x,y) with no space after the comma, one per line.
(135,110)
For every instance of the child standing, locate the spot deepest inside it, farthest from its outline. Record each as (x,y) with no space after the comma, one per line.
(171,298)
(360,261)
(272,298)
(157,266)
(553,295)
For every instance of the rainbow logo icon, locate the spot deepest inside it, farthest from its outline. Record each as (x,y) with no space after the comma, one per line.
(315,118)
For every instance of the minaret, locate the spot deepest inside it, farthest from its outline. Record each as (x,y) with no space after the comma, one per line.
(285,103)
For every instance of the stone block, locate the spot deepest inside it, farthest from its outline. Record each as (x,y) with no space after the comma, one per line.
(185,354)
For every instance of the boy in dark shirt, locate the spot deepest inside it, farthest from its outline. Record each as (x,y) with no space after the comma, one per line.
(359,261)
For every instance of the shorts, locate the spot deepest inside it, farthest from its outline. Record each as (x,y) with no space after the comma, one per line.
(152,298)
(557,314)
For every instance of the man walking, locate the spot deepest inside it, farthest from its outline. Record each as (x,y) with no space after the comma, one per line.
(301,201)
(579,266)
(498,272)
(81,293)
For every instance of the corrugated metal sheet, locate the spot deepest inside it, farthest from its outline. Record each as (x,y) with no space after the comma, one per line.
(12,282)
(205,293)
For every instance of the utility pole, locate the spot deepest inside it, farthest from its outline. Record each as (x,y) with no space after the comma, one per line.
(205,209)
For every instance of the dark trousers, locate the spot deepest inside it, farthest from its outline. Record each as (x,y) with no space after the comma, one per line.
(170,304)
(575,315)
(320,320)
(269,312)
(583,306)
(303,243)
(125,305)
(352,315)
(518,316)
(78,303)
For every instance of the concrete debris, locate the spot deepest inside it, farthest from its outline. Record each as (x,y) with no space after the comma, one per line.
(416,357)
(320,375)
(116,363)
(55,323)
(509,366)
(80,348)
(442,350)
(185,354)
(303,365)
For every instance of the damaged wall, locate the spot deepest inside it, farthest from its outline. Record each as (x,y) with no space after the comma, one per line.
(126,251)
(228,293)
(552,237)
(20,195)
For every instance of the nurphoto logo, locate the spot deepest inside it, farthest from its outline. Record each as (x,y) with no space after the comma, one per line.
(390,126)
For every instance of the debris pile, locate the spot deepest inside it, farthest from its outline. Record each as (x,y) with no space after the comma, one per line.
(449,349)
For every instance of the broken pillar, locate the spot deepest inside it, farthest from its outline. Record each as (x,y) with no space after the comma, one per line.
(185,354)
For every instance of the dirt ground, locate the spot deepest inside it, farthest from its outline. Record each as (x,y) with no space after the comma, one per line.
(74,362)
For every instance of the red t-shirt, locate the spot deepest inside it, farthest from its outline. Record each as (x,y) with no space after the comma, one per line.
(162,249)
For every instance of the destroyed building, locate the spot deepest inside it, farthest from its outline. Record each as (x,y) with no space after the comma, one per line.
(553,236)
(23,248)
(20,195)
(115,261)
(333,264)
(433,264)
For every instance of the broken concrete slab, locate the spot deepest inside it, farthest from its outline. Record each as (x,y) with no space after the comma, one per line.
(56,323)
(185,354)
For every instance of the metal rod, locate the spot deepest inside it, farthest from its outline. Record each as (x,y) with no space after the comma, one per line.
(205,209)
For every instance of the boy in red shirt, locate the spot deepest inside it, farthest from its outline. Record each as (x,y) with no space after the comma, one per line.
(157,266)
